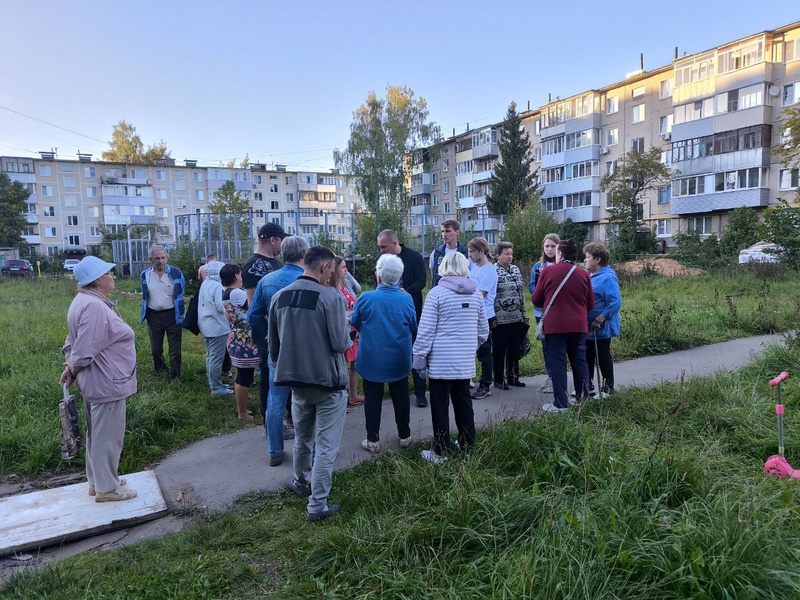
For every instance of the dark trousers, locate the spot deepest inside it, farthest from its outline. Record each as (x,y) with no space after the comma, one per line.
(419,382)
(484,355)
(544,350)
(561,346)
(444,391)
(603,356)
(160,322)
(260,338)
(373,401)
(505,351)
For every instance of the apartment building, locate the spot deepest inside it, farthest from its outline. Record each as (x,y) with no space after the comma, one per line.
(714,115)
(72,201)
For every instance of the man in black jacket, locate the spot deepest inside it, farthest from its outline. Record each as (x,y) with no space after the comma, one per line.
(414,280)
(450,230)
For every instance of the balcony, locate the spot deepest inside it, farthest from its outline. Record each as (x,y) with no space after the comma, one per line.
(32,218)
(715,201)
(483,175)
(421,184)
(134,181)
(483,224)
(583,214)
(32,239)
(464,179)
(467,202)
(485,150)
(423,209)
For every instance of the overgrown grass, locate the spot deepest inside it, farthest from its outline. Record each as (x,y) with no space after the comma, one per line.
(659,315)
(653,493)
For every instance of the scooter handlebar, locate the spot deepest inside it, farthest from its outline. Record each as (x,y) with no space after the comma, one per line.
(778,379)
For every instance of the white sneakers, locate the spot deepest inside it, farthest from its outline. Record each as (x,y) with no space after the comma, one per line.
(373,447)
(405,442)
(552,408)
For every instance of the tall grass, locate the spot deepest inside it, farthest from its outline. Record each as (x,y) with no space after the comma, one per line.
(653,493)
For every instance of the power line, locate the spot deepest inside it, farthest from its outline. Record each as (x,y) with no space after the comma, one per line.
(104,142)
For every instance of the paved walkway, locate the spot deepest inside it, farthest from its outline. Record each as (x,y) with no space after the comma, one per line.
(212,473)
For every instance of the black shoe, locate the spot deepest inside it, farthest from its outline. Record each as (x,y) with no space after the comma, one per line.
(422,401)
(516,383)
(329,511)
(500,385)
(480,393)
(301,491)
(275,461)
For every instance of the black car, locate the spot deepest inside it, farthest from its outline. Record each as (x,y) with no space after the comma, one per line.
(17,268)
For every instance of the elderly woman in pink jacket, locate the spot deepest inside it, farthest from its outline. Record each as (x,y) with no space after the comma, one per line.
(100,357)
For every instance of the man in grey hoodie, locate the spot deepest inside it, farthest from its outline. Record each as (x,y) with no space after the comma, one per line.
(308,334)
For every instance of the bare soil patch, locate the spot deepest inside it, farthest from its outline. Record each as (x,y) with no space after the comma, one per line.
(669,267)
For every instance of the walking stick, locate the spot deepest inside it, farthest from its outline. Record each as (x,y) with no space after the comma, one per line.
(777,464)
(597,367)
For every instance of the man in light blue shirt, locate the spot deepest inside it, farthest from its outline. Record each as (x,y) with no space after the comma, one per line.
(293,249)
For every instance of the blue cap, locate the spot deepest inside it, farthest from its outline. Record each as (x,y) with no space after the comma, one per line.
(91,269)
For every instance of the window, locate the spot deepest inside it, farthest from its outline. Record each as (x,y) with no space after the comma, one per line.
(740,57)
(553,204)
(446,187)
(637,91)
(665,125)
(638,113)
(49,211)
(664,227)
(435,199)
(69,181)
(95,232)
(94,211)
(72,220)
(258,179)
(554,145)
(273,205)
(339,198)
(88,172)
(582,138)
(197,177)
(45,171)
(273,188)
(199,195)
(690,186)
(179,173)
(553,175)
(740,99)
(578,200)
(273,178)
(464,167)
(50,232)
(445,165)
(788,179)
(70,200)
(290,196)
(47,190)
(665,88)
(161,194)
(181,202)
(611,167)
(180,185)
(288,180)
(586,168)
(612,137)
(446,208)
(637,145)
(258,196)
(693,149)
(464,191)
(163,212)
(664,194)
(161,175)
(91,192)
(612,105)
(701,225)
(736,180)
(694,111)
(74,240)
(434,179)
(790,94)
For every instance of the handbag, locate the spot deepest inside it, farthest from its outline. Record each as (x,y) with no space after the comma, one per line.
(190,320)
(539,335)
(71,438)
(525,343)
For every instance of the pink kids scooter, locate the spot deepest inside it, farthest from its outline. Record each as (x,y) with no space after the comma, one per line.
(777,464)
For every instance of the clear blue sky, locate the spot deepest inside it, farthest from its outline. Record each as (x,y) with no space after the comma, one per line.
(280,79)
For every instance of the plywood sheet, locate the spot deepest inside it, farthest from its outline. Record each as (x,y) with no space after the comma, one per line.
(54,516)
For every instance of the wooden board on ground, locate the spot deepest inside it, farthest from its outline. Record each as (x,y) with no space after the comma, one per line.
(38,519)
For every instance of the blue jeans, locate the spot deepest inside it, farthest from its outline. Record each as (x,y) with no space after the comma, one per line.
(215,354)
(318,420)
(559,347)
(276,406)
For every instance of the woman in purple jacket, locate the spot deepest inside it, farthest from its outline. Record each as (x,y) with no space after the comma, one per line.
(100,356)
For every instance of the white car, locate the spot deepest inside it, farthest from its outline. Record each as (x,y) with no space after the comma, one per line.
(70,264)
(761,252)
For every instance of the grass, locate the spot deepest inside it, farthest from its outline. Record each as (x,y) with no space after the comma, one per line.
(654,493)
(659,315)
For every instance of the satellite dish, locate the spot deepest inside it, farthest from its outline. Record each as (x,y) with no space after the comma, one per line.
(774,90)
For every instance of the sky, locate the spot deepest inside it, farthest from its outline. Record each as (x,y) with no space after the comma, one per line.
(280,80)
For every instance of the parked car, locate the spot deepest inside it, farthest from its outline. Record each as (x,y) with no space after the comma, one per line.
(761,252)
(17,268)
(70,264)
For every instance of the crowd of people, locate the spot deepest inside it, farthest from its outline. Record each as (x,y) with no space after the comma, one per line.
(309,330)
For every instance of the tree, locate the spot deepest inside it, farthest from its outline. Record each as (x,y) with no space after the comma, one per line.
(741,232)
(231,164)
(782,226)
(513,181)
(13,197)
(384,136)
(232,212)
(127,147)
(526,228)
(789,150)
(569,229)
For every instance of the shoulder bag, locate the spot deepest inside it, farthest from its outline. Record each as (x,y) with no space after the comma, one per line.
(539,335)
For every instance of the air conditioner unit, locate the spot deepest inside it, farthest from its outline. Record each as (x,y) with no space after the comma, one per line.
(603,150)
(666,136)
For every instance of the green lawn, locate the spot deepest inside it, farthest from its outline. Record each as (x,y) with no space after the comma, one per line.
(652,494)
(659,315)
